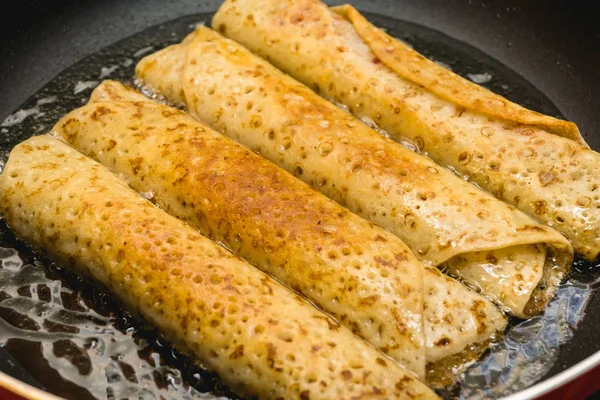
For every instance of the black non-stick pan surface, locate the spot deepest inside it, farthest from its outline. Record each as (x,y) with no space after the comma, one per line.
(544,56)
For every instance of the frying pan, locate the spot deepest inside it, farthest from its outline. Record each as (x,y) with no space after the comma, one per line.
(554,48)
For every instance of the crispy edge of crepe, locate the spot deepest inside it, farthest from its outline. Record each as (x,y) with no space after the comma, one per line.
(413,66)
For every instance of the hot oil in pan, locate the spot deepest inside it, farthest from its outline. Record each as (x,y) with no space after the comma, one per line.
(78,342)
(75,339)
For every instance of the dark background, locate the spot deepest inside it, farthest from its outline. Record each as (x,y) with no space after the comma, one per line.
(553,44)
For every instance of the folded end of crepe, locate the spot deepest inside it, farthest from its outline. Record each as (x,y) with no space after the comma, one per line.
(110,90)
(413,66)
(458,337)
(443,373)
(162,72)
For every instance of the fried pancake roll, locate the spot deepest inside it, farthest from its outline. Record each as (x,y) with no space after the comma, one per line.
(446,221)
(361,274)
(259,336)
(535,162)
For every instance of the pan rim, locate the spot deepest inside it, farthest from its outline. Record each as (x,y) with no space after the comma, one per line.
(20,388)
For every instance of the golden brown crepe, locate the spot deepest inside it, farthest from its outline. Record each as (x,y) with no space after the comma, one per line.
(537,163)
(359,273)
(442,218)
(259,336)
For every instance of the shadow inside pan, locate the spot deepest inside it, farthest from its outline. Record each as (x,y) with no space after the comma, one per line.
(75,340)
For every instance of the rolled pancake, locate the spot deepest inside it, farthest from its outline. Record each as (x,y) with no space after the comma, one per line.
(438,215)
(359,273)
(537,163)
(259,336)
